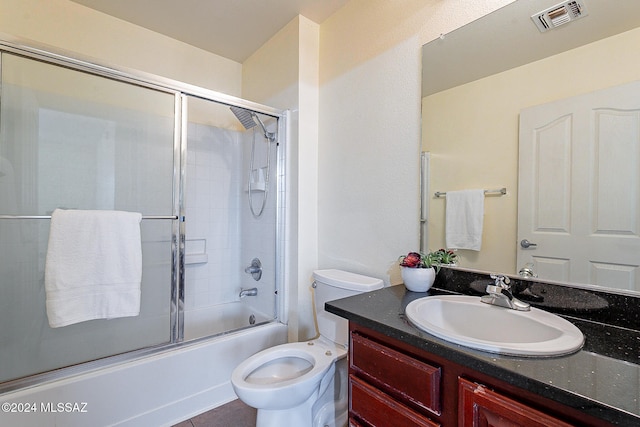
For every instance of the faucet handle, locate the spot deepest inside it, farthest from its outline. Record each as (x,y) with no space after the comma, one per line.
(255,269)
(500,295)
(501,281)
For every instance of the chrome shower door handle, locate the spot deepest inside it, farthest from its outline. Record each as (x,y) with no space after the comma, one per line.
(527,244)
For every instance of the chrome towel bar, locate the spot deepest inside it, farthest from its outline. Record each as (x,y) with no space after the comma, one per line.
(174,217)
(499,191)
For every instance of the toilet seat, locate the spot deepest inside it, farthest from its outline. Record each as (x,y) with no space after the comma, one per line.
(279,376)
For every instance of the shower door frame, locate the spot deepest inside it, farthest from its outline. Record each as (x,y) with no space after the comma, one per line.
(181,91)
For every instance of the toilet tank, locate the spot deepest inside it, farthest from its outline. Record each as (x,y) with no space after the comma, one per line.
(335,284)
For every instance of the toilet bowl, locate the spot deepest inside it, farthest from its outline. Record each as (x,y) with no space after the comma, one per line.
(304,383)
(286,375)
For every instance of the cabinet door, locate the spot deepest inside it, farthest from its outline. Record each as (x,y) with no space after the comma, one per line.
(481,407)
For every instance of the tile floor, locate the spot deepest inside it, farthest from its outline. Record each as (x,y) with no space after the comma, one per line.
(234,413)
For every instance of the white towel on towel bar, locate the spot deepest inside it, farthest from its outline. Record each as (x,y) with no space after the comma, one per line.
(464,218)
(93,268)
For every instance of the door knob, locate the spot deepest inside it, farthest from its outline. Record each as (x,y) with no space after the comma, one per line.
(527,244)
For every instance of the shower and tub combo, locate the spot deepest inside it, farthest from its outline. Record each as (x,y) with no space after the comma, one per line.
(204,170)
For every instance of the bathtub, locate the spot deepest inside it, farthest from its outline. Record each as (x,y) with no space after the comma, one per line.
(219,319)
(161,389)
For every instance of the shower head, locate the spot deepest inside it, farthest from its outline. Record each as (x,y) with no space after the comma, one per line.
(245,117)
(249,119)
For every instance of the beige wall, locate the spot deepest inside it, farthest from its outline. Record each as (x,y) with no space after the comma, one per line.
(69,26)
(472,134)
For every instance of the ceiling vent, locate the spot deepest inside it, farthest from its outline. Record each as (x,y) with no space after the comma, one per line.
(559,14)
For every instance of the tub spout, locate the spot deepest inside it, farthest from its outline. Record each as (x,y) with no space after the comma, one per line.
(248,292)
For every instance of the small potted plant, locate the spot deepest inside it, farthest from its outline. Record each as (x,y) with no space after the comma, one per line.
(445,257)
(419,270)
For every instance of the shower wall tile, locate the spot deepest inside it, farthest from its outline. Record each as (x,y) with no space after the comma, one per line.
(214,157)
(258,234)
(217,211)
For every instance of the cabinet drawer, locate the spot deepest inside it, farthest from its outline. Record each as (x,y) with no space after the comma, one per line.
(378,409)
(400,375)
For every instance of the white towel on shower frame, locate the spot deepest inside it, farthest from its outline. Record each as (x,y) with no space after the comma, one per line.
(93,268)
(464,218)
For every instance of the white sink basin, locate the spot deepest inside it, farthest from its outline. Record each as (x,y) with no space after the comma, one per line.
(466,321)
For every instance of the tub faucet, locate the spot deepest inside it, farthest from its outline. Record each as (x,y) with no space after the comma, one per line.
(248,292)
(500,295)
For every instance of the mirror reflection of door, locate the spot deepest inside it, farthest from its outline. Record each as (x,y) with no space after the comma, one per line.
(578,188)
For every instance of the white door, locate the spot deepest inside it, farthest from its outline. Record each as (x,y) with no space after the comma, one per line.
(578,190)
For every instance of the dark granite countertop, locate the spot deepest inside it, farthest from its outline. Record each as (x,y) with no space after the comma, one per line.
(602,379)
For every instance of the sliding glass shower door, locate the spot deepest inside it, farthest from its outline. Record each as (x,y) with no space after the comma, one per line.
(207,179)
(74,140)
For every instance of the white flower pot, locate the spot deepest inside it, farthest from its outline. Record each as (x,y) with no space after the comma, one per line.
(418,279)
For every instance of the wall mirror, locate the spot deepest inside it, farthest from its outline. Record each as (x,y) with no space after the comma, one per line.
(477,82)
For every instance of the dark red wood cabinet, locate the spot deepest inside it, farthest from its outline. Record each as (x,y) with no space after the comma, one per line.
(481,407)
(393,384)
(385,384)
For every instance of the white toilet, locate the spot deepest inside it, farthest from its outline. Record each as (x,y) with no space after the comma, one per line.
(305,383)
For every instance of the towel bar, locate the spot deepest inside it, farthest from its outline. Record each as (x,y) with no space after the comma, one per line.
(49,217)
(500,192)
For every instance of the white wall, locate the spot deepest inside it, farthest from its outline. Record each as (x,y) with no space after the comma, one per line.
(284,73)
(353,87)
(370,82)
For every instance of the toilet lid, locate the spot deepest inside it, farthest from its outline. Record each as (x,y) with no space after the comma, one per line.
(278,370)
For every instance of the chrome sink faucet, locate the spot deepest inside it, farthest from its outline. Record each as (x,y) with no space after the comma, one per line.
(500,295)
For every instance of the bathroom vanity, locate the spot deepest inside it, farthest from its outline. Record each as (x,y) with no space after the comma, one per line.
(400,375)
